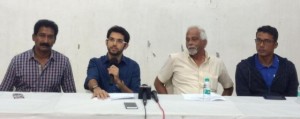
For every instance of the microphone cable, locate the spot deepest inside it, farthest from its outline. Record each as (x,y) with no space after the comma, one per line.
(145,94)
(145,112)
(145,103)
(162,110)
(154,96)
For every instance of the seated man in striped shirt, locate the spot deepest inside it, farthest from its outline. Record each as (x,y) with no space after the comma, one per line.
(40,69)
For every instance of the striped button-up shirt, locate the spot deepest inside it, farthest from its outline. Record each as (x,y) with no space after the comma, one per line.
(26,74)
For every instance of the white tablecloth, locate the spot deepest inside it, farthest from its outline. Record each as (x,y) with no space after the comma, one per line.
(81,106)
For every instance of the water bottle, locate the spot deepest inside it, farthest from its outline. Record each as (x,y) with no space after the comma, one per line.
(206,88)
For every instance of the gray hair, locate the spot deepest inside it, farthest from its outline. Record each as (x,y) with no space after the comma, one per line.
(201,30)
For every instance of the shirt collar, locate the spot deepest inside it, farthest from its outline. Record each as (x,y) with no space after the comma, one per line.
(123,59)
(31,54)
(275,62)
(207,57)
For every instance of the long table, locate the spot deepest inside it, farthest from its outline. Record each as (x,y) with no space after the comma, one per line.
(81,106)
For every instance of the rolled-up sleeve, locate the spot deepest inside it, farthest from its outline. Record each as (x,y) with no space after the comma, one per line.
(224,77)
(9,78)
(136,79)
(92,72)
(166,71)
(68,84)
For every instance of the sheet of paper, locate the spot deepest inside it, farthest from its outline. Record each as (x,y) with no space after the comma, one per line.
(201,97)
(116,96)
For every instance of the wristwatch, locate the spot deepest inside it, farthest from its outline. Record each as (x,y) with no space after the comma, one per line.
(95,86)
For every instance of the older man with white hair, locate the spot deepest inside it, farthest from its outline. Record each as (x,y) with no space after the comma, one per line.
(185,72)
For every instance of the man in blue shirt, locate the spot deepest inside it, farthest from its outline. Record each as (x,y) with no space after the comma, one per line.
(266,73)
(113,72)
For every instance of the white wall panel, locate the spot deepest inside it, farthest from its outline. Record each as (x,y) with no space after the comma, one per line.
(157,28)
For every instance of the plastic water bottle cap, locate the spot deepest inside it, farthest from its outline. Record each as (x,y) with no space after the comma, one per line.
(206,79)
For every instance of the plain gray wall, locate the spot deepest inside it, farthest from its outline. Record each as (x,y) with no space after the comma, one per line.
(157,28)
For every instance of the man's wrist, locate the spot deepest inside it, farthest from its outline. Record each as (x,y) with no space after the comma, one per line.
(95,86)
(120,83)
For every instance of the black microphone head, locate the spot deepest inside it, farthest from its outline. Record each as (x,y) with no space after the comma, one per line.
(113,61)
(144,88)
(154,95)
(144,98)
(144,85)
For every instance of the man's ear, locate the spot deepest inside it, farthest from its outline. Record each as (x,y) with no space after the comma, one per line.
(106,43)
(125,46)
(33,37)
(276,44)
(205,43)
(54,41)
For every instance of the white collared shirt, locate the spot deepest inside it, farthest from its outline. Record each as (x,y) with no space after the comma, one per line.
(187,77)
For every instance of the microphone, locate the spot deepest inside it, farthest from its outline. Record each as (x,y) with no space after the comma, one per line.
(113,61)
(144,98)
(154,95)
(144,93)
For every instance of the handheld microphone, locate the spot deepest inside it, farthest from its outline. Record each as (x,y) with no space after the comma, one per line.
(113,61)
(154,95)
(144,98)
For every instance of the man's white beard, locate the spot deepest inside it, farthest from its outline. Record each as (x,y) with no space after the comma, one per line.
(193,51)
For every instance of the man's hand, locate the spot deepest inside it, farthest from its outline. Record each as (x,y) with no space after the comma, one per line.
(113,70)
(99,93)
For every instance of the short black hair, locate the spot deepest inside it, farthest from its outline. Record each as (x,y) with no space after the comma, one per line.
(45,23)
(270,30)
(120,30)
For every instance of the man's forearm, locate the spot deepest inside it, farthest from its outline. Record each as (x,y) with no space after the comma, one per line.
(227,91)
(121,85)
(159,86)
(92,84)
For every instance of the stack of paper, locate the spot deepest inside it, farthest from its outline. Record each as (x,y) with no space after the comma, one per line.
(115,96)
(201,97)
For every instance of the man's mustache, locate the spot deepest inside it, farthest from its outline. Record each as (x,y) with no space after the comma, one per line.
(192,47)
(45,44)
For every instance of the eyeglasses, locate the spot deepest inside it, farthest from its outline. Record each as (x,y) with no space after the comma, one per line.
(118,41)
(267,41)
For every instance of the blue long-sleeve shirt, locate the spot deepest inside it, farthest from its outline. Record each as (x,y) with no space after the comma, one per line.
(129,73)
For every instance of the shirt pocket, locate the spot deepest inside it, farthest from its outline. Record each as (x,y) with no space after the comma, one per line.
(54,79)
(25,78)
